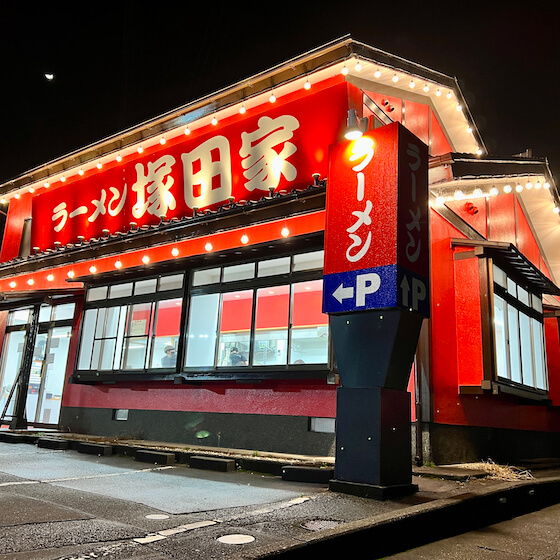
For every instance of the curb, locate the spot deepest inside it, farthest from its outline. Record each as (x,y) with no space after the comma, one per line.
(407,529)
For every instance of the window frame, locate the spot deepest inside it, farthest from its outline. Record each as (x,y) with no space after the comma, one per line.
(491,289)
(183,374)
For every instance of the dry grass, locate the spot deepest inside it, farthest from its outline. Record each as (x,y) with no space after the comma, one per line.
(500,472)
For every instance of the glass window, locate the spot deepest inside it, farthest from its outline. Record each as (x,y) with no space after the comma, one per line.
(96,294)
(239,272)
(271,326)
(64,311)
(202,330)
(86,346)
(19,317)
(523,295)
(174,282)
(206,277)
(513,334)
(166,333)
(138,328)
(499,276)
(310,326)
(309,261)
(500,336)
(45,313)
(145,286)
(536,303)
(273,267)
(120,290)
(538,348)
(235,328)
(526,342)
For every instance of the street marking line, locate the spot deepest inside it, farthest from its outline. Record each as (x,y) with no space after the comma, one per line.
(20,482)
(149,539)
(188,527)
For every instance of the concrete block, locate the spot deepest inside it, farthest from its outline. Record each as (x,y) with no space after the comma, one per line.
(52,443)
(99,449)
(212,463)
(261,466)
(299,473)
(155,457)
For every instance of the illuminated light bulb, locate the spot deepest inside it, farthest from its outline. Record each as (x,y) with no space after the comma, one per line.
(242,109)
(459,107)
(528,185)
(140,149)
(12,284)
(477,192)
(16,196)
(377,73)
(358,66)
(63,179)
(31,281)
(162,140)
(145,259)
(344,70)
(479,152)
(214,121)
(187,131)
(175,251)
(93,269)
(70,274)
(99,165)
(426,88)
(519,187)
(538,185)
(81,172)
(395,78)
(3,201)
(307,84)
(272,98)
(438,92)
(208,247)
(494,191)
(556,210)
(507,189)
(46,185)
(546,185)
(285,232)
(411,85)
(119,158)
(458,194)
(440,200)
(118,264)
(244,239)
(449,95)
(50,277)
(31,190)
(469,129)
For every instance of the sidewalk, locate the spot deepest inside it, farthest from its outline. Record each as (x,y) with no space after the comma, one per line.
(450,500)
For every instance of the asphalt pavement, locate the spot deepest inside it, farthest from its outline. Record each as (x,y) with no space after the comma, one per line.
(71,504)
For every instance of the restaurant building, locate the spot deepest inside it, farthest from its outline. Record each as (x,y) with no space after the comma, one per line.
(166,283)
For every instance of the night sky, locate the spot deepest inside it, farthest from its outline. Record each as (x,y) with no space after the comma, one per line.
(117,64)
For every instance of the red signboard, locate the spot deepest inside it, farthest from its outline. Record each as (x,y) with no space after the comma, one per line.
(376,236)
(276,145)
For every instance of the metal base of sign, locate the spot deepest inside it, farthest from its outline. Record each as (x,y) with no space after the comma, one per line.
(372,490)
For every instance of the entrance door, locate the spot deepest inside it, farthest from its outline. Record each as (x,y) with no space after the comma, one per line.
(46,379)
(33,364)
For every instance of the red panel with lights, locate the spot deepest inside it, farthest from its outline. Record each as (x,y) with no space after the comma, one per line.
(276,146)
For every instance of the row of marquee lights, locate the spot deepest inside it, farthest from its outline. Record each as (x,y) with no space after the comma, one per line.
(242,110)
(508,188)
(145,259)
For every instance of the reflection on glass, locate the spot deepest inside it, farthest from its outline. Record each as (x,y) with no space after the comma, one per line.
(145,286)
(167,327)
(12,355)
(239,272)
(539,352)
(500,336)
(137,341)
(309,261)
(120,290)
(205,277)
(86,346)
(513,330)
(273,267)
(235,328)
(310,326)
(526,349)
(174,282)
(201,335)
(271,326)
(19,317)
